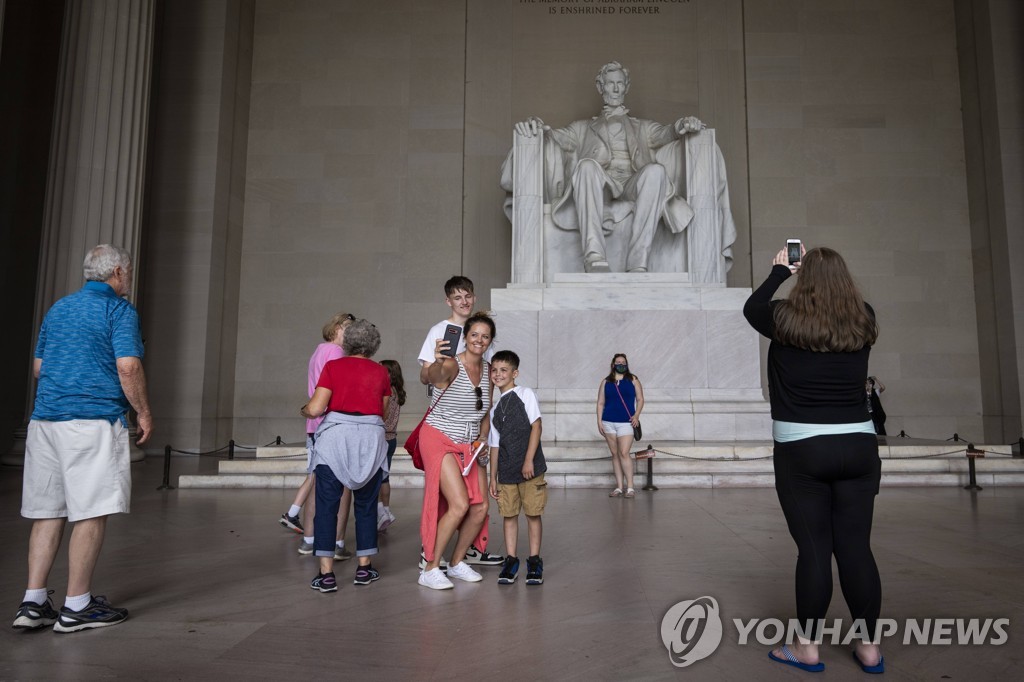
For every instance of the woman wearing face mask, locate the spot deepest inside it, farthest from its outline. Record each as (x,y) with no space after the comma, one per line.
(620,399)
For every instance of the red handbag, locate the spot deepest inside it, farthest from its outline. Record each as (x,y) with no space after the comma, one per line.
(412,443)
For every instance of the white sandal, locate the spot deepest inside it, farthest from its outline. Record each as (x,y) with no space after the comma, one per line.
(615,493)
(630,492)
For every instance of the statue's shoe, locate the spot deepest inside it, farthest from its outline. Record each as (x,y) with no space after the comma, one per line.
(597,266)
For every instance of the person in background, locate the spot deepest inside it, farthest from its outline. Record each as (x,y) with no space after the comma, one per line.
(620,399)
(88,363)
(331,349)
(827,468)
(384,516)
(873,387)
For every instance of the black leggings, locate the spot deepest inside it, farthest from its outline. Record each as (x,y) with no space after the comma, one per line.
(827,487)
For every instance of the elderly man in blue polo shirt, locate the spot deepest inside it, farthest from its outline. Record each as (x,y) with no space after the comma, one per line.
(88,362)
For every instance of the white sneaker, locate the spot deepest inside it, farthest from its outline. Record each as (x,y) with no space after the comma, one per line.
(435,580)
(384,520)
(462,571)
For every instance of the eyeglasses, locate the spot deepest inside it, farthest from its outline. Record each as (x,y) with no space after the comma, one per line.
(350,317)
(479,397)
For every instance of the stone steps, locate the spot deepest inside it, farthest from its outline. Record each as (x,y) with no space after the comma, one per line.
(676,465)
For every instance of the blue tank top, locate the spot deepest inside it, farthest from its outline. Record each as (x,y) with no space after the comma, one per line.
(614,411)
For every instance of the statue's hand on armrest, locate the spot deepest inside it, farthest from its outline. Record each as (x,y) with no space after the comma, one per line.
(689,124)
(531,126)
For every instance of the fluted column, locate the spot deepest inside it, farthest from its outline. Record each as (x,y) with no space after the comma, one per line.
(98,147)
(2,8)
(94,187)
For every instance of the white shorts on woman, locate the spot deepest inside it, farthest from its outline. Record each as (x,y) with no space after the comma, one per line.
(618,428)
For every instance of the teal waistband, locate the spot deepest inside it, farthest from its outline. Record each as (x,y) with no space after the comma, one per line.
(787,432)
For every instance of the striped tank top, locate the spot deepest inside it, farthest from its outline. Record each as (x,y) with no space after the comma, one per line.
(454,412)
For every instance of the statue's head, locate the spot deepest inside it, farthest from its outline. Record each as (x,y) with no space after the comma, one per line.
(613,83)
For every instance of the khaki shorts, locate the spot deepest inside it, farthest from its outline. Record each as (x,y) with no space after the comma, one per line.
(528,496)
(79,469)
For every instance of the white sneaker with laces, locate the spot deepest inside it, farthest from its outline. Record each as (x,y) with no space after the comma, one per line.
(462,571)
(435,580)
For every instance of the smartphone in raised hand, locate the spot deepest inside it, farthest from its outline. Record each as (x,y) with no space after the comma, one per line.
(793,251)
(452,334)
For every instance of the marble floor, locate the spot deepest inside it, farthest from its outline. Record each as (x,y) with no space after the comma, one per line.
(216,589)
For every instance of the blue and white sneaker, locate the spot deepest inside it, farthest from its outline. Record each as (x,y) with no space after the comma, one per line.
(97,614)
(31,615)
(534,570)
(509,570)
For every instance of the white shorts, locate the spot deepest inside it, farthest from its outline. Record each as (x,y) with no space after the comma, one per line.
(618,428)
(79,469)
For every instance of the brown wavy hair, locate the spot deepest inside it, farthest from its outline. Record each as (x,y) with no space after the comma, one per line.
(397,381)
(824,311)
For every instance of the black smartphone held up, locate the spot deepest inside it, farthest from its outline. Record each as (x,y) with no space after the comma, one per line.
(793,250)
(452,334)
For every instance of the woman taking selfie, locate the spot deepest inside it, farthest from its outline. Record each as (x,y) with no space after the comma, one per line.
(454,485)
(827,468)
(620,398)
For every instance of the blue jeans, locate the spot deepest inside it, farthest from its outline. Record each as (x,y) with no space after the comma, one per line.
(392,446)
(328,502)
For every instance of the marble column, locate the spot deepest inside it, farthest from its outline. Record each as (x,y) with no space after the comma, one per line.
(94,188)
(2,8)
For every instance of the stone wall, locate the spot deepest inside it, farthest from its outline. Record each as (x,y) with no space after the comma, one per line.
(375,134)
(856,142)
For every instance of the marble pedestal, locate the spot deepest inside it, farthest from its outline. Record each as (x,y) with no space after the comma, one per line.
(696,356)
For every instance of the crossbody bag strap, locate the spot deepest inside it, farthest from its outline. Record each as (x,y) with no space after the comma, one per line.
(620,398)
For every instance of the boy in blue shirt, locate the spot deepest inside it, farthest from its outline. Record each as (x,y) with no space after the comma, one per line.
(517,466)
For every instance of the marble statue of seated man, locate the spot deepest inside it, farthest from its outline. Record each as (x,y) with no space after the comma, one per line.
(609,171)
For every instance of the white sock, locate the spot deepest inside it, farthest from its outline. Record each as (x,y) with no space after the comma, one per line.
(294,510)
(36,596)
(309,540)
(341,544)
(78,603)
(380,508)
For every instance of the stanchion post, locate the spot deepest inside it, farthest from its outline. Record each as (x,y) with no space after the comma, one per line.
(650,469)
(972,454)
(278,441)
(231,450)
(166,485)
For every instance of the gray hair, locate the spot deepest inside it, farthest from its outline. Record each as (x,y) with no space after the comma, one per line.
(361,338)
(102,259)
(605,70)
